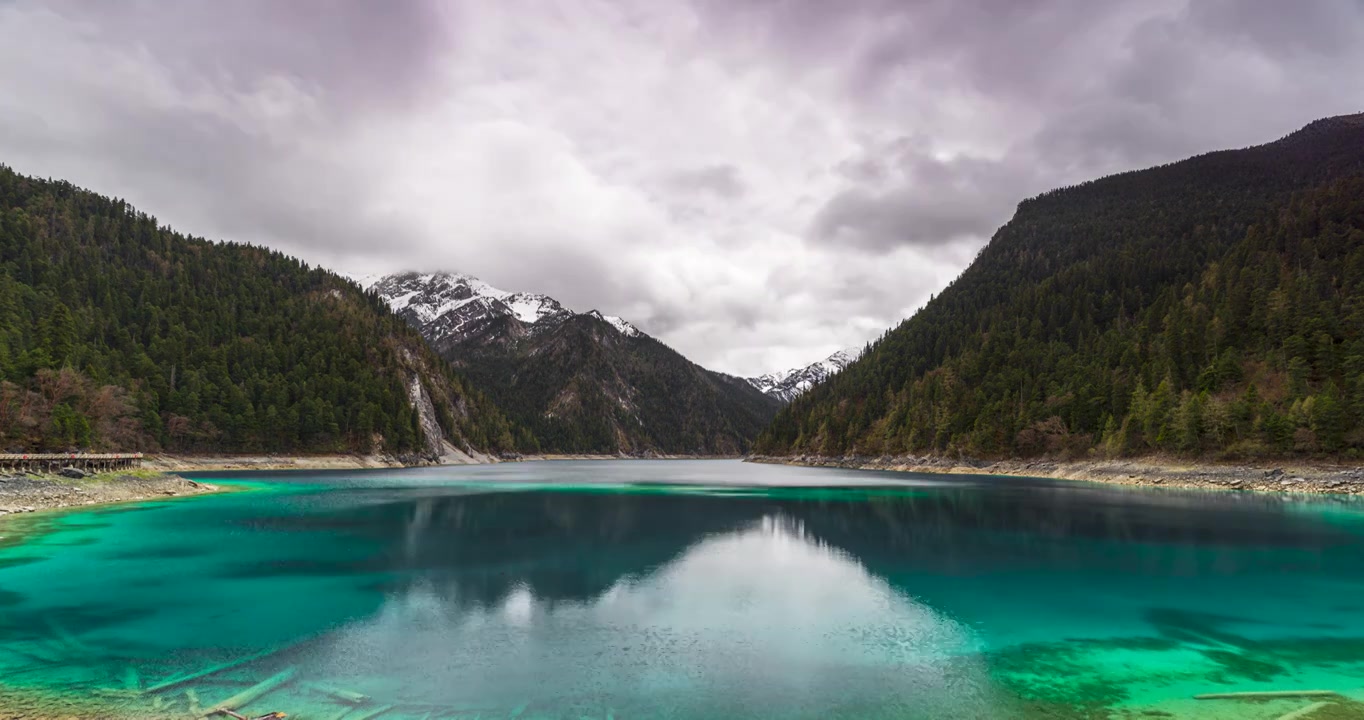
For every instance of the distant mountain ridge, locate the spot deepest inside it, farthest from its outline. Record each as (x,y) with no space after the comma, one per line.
(452,309)
(786,385)
(581,382)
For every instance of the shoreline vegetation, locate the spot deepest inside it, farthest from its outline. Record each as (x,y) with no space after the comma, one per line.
(1293,476)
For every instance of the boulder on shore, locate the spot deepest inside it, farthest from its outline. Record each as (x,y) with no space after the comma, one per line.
(73,473)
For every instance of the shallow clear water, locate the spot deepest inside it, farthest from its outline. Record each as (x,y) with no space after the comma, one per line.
(690,589)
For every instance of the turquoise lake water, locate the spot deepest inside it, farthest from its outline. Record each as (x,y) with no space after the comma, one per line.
(688,590)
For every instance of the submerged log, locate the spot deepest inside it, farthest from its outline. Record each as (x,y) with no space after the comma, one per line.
(178,680)
(254,692)
(346,696)
(1269,695)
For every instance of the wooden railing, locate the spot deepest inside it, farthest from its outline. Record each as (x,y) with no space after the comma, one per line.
(51,462)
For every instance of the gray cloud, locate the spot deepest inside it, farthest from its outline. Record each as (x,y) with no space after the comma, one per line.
(1092,89)
(218,112)
(357,53)
(757,182)
(901,195)
(720,180)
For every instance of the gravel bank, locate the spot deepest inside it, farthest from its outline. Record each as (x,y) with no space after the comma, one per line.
(29,493)
(192,463)
(1155,472)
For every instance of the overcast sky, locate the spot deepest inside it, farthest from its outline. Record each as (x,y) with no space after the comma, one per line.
(757,183)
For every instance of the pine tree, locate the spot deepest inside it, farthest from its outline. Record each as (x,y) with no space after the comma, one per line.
(59,335)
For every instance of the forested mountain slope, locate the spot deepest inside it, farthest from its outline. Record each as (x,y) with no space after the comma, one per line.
(1213,306)
(581,382)
(120,334)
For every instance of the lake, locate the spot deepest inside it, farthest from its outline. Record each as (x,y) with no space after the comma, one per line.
(687,590)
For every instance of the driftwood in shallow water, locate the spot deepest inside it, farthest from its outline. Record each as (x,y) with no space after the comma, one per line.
(350,697)
(254,692)
(178,680)
(276,715)
(1304,712)
(1271,695)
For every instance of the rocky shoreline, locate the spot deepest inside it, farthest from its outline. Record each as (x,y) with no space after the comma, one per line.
(199,463)
(25,493)
(1294,477)
(643,455)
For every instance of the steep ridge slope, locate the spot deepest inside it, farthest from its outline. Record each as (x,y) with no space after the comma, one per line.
(582,382)
(785,385)
(118,333)
(1208,306)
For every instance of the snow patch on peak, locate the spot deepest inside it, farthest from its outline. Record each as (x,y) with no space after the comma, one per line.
(621,326)
(366,281)
(452,306)
(533,307)
(786,385)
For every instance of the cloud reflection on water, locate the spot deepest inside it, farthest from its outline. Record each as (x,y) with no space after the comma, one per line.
(759,617)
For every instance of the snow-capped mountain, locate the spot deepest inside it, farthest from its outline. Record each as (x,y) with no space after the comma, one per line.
(577,382)
(452,308)
(787,384)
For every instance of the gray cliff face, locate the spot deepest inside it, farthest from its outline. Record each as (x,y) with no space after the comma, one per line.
(426,415)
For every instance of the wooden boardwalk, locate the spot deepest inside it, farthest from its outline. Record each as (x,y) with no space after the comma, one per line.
(52,462)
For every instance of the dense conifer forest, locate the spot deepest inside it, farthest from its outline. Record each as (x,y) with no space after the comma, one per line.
(1211,307)
(117,333)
